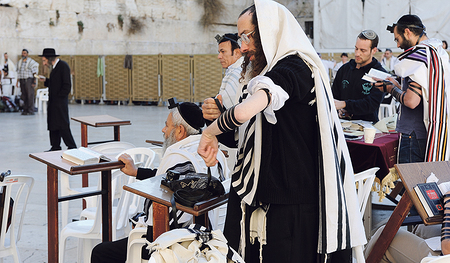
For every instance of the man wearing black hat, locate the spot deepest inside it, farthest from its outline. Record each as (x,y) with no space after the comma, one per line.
(423,116)
(181,138)
(26,68)
(59,85)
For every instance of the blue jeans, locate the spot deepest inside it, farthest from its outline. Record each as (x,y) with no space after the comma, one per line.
(411,149)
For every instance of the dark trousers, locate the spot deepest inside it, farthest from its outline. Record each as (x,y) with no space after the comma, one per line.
(27,94)
(115,251)
(66,135)
(411,149)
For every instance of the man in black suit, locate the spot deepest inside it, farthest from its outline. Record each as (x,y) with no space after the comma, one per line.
(59,86)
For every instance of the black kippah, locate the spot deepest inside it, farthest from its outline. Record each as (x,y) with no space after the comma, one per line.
(192,114)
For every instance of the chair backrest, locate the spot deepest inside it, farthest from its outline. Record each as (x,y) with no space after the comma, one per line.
(112,147)
(143,157)
(120,219)
(17,187)
(365,181)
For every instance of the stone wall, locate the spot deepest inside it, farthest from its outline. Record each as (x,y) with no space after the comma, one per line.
(167,26)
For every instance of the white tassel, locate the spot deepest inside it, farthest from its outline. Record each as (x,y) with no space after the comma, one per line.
(242,240)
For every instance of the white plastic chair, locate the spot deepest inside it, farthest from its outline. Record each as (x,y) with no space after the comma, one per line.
(105,148)
(142,156)
(135,243)
(386,110)
(365,181)
(18,187)
(90,230)
(43,98)
(38,93)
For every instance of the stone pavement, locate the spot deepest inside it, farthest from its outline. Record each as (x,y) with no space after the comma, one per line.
(22,135)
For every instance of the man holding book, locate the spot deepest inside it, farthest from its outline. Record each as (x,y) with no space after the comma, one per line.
(423,117)
(181,139)
(354,97)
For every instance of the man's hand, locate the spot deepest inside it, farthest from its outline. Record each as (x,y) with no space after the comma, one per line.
(343,114)
(390,83)
(130,168)
(208,148)
(210,109)
(339,104)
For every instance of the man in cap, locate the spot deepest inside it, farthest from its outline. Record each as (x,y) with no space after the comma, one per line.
(59,85)
(354,97)
(181,137)
(423,94)
(26,68)
(289,135)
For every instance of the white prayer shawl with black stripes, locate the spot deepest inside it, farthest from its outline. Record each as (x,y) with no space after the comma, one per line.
(427,64)
(341,225)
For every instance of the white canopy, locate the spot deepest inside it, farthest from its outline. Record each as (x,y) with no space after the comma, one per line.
(337,23)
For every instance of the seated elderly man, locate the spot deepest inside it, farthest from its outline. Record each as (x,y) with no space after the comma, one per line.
(181,138)
(354,97)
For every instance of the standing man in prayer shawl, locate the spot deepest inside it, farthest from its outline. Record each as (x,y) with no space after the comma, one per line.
(293,193)
(423,95)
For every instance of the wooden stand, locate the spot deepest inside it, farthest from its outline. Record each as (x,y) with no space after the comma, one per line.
(411,174)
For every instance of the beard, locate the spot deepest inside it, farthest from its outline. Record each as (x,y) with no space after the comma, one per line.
(169,141)
(406,44)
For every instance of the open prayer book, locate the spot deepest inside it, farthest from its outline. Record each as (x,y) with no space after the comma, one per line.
(375,73)
(84,155)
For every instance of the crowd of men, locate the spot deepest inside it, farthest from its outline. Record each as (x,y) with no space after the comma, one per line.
(292,195)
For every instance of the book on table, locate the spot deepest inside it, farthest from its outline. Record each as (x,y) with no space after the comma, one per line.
(83,156)
(431,198)
(375,73)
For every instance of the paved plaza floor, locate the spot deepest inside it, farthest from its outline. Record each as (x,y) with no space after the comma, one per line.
(22,135)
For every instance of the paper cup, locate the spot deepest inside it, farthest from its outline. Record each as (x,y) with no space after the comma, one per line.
(369,135)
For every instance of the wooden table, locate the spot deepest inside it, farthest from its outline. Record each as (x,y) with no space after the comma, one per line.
(411,174)
(54,164)
(160,195)
(98,121)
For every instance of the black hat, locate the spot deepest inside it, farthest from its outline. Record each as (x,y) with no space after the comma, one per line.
(49,52)
(412,21)
(190,112)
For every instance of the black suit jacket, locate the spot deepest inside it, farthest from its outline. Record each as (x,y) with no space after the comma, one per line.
(59,86)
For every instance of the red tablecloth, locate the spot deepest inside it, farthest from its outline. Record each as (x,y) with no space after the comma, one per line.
(381,153)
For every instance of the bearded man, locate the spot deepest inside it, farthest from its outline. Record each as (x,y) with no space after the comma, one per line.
(181,138)
(286,203)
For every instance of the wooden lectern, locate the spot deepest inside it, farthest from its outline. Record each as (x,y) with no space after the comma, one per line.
(411,174)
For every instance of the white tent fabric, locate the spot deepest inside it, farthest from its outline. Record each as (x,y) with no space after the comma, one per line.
(337,23)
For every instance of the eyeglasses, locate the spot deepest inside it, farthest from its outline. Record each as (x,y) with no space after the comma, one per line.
(369,34)
(245,38)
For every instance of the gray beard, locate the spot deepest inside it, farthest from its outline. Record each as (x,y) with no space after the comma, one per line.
(168,141)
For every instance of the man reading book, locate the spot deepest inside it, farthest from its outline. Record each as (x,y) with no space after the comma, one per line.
(181,138)
(422,93)
(354,97)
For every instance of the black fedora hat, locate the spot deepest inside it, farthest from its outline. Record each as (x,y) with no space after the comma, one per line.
(49,52)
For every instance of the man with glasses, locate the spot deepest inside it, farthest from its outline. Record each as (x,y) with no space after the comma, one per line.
(286,150)
(354,97)
(423,116)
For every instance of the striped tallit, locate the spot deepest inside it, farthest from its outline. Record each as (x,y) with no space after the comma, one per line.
(425,58)
(340,221)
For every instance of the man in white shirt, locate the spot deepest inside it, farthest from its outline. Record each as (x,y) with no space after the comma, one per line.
(230,58)
(388,61)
